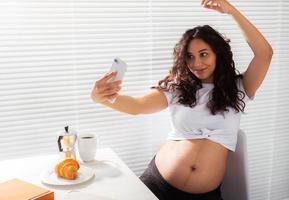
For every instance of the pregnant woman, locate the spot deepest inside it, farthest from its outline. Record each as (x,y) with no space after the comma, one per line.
(206,96)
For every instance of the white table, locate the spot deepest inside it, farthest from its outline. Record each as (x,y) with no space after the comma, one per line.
(113,180)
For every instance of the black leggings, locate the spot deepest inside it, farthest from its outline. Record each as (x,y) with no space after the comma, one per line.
(164,191)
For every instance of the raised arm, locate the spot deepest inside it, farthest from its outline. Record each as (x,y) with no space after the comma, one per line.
(258,67)
(152,102)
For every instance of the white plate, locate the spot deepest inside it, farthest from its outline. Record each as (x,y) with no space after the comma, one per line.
(84,174)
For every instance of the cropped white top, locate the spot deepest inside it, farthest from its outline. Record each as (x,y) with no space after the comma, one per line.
(199,123)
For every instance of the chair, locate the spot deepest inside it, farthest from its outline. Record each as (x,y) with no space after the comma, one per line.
(235,184)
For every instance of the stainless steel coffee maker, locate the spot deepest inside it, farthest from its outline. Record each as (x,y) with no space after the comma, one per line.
(66,143)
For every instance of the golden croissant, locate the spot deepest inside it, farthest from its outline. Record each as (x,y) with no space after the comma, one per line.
(67,169)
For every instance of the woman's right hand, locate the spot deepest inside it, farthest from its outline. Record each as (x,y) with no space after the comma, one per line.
(104,89)
(222,6)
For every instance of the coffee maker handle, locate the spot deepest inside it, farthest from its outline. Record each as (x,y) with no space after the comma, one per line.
(59,143)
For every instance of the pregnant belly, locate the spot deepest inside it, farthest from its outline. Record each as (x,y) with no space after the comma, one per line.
(195,166)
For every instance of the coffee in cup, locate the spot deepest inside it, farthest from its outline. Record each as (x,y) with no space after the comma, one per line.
(87,144)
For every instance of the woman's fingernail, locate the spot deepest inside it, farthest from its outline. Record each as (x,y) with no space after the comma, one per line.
(112,73)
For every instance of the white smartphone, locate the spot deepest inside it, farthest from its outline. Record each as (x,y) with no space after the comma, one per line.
(120,67)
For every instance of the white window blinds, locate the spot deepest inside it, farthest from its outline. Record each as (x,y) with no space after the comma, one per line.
(51,52)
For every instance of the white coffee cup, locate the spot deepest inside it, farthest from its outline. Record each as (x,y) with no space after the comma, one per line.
(87,144)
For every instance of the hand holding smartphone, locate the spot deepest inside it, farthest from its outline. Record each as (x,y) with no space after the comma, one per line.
(118,66)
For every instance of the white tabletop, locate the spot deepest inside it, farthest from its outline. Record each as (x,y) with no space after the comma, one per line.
(113,180)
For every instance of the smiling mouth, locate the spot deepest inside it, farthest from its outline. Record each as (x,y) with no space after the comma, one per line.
(199,70)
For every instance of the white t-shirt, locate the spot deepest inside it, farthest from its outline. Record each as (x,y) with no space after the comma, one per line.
(199,123)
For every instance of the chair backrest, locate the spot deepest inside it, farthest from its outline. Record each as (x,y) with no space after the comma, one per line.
(235,184)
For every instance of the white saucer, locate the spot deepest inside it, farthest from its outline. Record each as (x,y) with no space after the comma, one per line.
(84,174)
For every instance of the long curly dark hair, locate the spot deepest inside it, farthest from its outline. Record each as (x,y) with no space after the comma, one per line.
(225,93)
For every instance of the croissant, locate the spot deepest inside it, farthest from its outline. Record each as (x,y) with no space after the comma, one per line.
(67,169)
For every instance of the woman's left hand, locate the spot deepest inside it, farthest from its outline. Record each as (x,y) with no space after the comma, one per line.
(222,6)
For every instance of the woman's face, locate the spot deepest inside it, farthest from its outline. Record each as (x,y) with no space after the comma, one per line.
(201,60)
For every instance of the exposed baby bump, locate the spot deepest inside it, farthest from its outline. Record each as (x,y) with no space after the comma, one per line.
(195,166)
